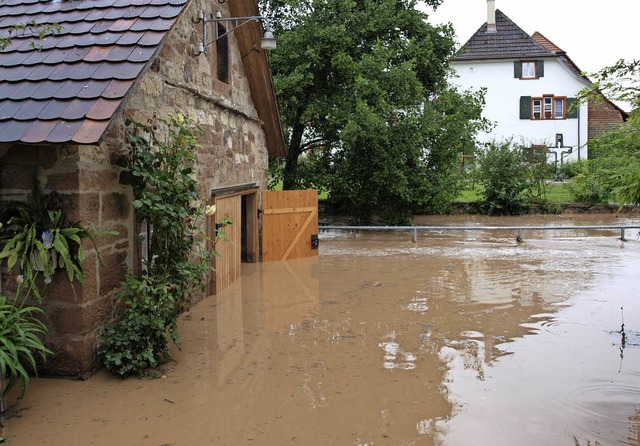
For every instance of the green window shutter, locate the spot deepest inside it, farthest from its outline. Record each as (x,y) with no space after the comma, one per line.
(517,69)
(571,114)
(540,68)
(525,107)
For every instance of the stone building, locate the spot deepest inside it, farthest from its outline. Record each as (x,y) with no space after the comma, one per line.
(63,104)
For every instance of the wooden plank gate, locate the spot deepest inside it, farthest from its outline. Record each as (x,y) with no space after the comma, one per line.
(289,224)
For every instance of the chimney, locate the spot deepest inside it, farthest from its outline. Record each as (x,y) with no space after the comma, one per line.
(491,16)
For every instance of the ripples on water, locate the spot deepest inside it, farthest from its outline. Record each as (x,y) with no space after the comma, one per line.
(556,375)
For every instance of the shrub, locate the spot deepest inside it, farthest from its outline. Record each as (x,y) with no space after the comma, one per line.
(163,177)
(504,179)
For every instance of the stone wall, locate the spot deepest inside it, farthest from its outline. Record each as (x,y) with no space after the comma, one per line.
(233,144)
(88,177)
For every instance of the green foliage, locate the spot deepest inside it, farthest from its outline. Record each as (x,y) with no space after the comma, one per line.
(618,82)
(29,29)
(574,168)
(538,172)
(138,341)
(38,239)
(20,341)
(363,86)
(503,176)
(612,170)
(163,178)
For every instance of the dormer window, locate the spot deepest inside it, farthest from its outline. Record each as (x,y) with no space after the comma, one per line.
(528,69)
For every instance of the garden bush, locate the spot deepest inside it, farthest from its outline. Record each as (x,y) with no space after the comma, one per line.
(503,176)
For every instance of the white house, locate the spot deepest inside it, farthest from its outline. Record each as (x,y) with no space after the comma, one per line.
(530,87)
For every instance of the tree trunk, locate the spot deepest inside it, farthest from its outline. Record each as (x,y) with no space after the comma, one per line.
(290,181)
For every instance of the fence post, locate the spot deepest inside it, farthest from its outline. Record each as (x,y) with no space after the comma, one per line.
(415,235)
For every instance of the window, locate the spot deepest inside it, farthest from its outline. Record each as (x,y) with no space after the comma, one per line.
(222,54)
(546,107)
(558,108)
(528,69)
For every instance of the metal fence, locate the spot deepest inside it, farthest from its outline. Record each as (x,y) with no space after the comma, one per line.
(519,229)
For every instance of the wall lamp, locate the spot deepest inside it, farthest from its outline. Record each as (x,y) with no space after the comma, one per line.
(268,42)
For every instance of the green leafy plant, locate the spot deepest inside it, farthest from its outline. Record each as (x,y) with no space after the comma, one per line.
(163,177)
(21,335)
(29,29)
(503,176)
(38,239)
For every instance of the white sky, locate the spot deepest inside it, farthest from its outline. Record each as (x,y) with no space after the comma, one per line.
(594,33)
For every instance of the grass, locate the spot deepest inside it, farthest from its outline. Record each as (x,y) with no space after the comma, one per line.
(556,193)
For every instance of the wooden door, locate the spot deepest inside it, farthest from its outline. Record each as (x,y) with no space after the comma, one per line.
(228,242)
(237,242)
(289,224)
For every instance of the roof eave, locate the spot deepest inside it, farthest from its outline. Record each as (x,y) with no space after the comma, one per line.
(258,72)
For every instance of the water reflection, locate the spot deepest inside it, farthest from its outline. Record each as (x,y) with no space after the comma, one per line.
(459,339)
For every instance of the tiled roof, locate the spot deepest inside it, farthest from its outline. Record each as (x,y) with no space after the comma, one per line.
(509,42)
(548,44)
(67,87)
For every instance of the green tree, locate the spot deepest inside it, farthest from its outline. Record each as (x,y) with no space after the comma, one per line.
(613,170)
(362,80)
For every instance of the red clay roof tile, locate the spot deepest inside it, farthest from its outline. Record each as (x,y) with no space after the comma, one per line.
(40,72)
(38,131)
(13,131)
(53,109)
(151,38)
(8,109)
(93,88)
(77,109)
(117,89)
(30,109)
(63,131)
(76,71)
(142,53)
(98,53)
(103,109)
(120,53)
(90,131)
(130,38)
(122,24)
(46,89)
(69,89)
(22,90)
(118,70)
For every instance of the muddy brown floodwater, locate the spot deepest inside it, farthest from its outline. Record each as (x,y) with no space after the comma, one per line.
(463,338)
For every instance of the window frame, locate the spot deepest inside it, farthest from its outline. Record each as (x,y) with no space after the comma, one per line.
(546,107)
(528,70)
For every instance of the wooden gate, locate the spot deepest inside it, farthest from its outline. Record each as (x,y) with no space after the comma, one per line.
(289,224)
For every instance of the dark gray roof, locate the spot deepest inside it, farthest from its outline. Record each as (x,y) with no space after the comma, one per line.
(68,86)
(509,42)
